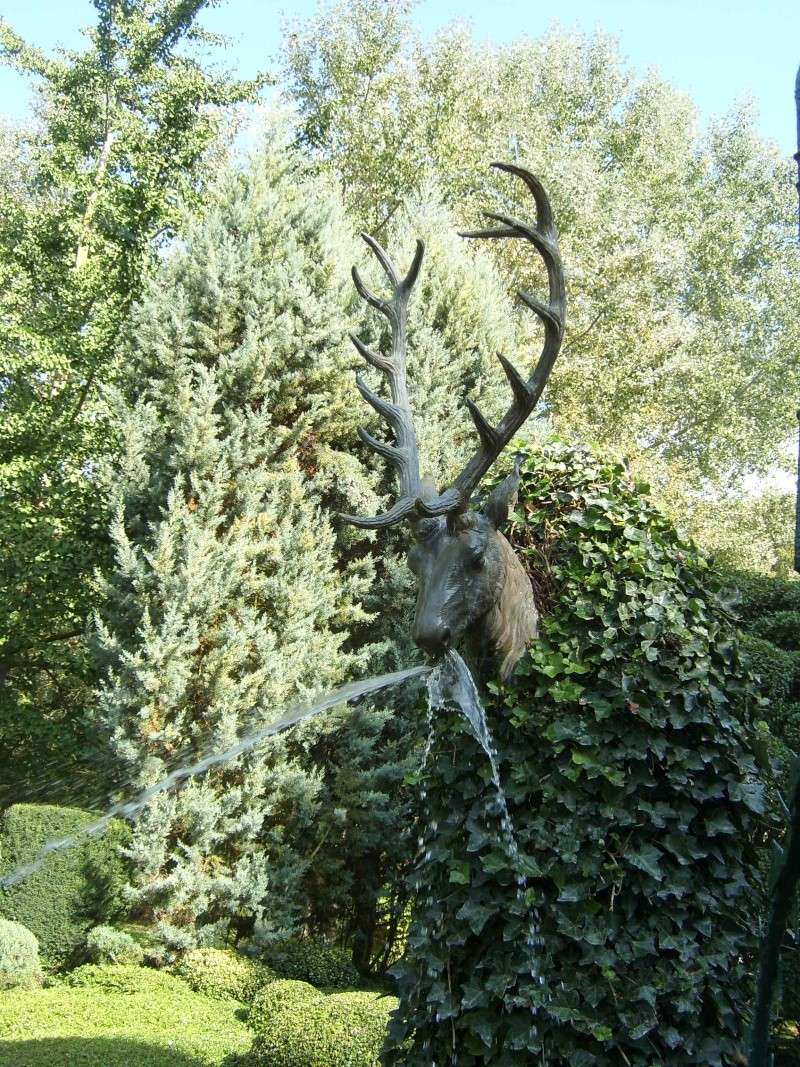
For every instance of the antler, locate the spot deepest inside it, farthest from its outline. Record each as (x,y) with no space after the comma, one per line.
(493,439)
(414,501)
(403,453)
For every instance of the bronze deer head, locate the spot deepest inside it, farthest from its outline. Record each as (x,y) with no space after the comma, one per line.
(467,573)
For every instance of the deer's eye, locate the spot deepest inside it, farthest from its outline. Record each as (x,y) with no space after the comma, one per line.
(475,557)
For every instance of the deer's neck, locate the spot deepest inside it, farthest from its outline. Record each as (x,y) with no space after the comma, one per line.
(513,621)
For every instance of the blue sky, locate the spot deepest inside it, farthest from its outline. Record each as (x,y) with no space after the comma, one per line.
(720,53)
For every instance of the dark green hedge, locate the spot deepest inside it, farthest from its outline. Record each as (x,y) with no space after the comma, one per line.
(74,890)
(636,800)
(782,628)
(770,614)
(776,669)
(761,595)
(312,961)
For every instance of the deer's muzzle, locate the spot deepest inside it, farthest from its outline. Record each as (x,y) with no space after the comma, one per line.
(432,637)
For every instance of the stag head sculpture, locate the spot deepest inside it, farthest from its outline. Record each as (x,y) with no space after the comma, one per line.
(468,575)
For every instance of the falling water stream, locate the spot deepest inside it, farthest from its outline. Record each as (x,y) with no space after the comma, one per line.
(450,684)
(296,714)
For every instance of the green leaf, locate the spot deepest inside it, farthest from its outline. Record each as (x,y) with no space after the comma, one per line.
(459,873)
(476,915)
(647,858)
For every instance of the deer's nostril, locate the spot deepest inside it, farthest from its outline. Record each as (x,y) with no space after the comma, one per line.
(433,639)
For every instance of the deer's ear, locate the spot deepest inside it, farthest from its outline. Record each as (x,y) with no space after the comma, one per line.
(502,499)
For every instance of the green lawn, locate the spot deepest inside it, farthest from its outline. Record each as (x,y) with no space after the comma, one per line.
(89,1027)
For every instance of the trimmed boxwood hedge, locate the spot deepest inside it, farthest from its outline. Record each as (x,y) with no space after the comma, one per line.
(272,999)
(762,595)
(19,957)
(223,973)
(74,889)
(770,613)
(124,978)
(298,1026)
(119,1017)
(312,961)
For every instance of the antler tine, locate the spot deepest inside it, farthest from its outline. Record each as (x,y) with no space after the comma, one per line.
(403,454)
(493,439)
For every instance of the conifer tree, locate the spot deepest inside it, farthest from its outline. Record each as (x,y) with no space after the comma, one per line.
(127,127)
(226,600)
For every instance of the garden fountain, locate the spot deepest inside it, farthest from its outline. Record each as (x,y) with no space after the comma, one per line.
(547,805)
(295,715)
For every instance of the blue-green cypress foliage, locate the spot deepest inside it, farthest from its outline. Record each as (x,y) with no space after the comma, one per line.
(228,600)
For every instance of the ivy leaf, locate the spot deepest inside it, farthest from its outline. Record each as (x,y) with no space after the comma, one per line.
(476,915)
(647,858)
(459,874)
(719,823)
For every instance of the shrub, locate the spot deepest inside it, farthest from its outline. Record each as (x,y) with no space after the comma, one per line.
(771,612)
(19,957)
(775,668)
(223,974)
(782,628)
(312,961)
(74,889)
(761,595)
(784,721)
(297,1026)
(155,952)
(284,993)
(124,978)
(104,944)
(153,1020)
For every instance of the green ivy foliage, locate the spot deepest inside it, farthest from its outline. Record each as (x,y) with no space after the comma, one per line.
(74,889)
(635,802)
